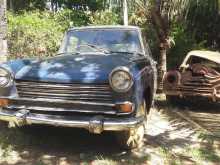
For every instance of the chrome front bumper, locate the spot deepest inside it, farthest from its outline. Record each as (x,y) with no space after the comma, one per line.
(95,124)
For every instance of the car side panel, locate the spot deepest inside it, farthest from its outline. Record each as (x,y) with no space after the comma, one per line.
(143,81)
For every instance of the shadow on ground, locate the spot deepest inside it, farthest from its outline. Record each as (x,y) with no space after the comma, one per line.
(43,145)
(206,115)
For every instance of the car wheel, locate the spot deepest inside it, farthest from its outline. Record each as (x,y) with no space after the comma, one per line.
(133,138)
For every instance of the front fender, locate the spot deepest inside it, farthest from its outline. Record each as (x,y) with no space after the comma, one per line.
(144,79)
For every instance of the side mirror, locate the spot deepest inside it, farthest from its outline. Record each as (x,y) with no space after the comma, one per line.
(183,67)
(187,65)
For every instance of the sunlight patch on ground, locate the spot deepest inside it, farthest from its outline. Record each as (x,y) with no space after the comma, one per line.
(7,155)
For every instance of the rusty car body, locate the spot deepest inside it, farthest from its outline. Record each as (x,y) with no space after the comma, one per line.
(102,79)
(197,77)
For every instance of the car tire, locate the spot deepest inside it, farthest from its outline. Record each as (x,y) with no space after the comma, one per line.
(133,138)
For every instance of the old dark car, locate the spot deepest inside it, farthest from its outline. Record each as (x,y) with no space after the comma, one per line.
(102,79)
(197,78)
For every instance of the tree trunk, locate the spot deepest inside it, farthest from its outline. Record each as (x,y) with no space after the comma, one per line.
(3,31)
(162,32)
(162,66)
(52,5)
(10,5)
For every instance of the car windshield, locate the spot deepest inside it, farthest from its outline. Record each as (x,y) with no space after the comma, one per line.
(101,40)
(211,64)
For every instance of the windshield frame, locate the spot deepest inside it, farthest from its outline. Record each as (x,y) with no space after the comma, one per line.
(133,28)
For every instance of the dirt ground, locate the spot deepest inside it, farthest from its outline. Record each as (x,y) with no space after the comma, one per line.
(169,139)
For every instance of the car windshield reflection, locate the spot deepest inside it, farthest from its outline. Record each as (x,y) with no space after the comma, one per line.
(101,40)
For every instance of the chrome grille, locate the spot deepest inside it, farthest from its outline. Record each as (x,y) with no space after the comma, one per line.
(64,91)
(196,85)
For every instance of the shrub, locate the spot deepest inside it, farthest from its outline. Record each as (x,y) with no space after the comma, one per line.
(39,33)
(105,18)
(69,18)
(33,34)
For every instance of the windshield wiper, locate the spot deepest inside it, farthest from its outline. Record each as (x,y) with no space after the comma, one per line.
(95,47)
(125,52)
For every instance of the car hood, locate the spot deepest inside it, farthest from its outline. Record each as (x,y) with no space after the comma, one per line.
(70,68)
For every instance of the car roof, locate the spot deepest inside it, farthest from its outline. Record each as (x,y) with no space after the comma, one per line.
(107,27)
(209,55)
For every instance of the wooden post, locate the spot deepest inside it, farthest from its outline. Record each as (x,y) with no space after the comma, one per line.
(3,31)
(125,12)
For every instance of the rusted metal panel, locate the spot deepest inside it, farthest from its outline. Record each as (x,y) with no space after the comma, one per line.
(195,80)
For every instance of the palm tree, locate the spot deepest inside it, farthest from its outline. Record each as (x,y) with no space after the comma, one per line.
(200,16)
(203,20)
(159,13)
(3,31)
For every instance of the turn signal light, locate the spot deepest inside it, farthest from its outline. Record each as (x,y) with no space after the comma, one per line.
(126,107)
(4,102)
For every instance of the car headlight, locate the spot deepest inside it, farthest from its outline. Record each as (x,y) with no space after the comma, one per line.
(120,79)
(5,77)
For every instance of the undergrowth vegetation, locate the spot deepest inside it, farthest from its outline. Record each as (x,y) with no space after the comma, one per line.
(39,33)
